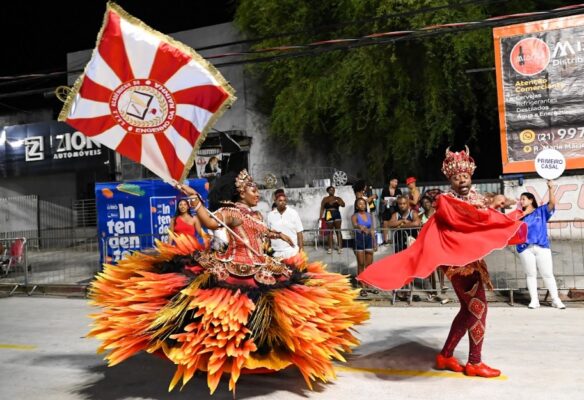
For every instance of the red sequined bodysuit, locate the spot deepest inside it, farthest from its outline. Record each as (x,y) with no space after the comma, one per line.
(253,232)
(468,283)
(457,237)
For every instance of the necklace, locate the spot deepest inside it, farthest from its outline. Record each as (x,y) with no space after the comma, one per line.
(245,211)
(243,205)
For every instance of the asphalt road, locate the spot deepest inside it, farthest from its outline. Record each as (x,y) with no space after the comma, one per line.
(43,355)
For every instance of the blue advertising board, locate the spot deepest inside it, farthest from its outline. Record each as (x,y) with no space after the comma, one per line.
(131,214)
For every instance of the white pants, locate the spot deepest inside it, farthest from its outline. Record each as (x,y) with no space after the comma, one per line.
(534,258)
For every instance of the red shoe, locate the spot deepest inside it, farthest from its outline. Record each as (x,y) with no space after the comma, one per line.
(482,370)
(449,363)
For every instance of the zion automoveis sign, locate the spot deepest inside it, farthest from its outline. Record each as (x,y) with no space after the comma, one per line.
(48,147)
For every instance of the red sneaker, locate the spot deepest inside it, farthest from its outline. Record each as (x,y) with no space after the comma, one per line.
(449,363)
(482,370)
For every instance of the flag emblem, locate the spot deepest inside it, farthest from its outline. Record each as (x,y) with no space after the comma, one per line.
(143,106)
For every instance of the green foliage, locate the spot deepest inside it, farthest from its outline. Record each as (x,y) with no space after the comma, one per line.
(395,107)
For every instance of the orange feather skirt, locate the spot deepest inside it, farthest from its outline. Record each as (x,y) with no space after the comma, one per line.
(201,325)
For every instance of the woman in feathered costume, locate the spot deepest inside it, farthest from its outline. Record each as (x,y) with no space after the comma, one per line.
(224,312)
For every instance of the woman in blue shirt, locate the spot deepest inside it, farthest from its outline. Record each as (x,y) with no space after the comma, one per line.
(535,253)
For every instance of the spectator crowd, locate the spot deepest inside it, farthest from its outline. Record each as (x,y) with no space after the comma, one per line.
(392,218)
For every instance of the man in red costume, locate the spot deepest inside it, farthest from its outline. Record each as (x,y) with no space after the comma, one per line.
(463,230)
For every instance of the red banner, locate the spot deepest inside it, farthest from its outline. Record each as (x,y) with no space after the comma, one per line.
(146,96)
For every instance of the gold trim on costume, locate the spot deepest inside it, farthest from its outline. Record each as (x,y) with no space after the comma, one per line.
(263,273)
(111,6)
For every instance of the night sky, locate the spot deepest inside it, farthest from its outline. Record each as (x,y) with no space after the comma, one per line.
(38,35)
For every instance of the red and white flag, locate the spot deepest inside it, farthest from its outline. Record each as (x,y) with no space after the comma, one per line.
(146,96)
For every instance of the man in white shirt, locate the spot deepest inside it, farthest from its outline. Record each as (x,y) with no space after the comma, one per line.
(286,220)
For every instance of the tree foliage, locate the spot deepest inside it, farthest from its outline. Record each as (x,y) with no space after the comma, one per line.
(393,107)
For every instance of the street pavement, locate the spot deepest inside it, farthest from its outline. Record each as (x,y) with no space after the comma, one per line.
(44,355)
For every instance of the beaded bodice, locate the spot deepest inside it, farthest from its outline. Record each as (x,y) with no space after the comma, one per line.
(474,198)
(251,229)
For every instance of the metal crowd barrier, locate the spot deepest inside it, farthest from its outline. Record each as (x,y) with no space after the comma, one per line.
(345,261)
(505,269)
(75,261)
(13,262)
(57,261)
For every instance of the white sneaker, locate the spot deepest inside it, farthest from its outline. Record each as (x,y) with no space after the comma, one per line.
(557,303)
(533,304)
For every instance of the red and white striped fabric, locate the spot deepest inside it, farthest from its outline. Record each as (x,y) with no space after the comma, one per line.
(146,96)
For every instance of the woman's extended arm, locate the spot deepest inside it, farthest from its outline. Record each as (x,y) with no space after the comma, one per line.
(203,214)
(198,227)
(552,202)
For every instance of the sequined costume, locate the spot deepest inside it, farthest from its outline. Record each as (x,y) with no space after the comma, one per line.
(456,238)
(468,282)
(226,312)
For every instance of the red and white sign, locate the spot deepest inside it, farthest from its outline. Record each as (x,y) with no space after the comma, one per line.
(530,56)
(146,96)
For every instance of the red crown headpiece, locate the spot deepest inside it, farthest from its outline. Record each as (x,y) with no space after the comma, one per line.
(457,163)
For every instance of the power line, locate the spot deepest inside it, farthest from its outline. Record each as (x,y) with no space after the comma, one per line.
(317,48)
(321,28)
(21,78)
(392,37)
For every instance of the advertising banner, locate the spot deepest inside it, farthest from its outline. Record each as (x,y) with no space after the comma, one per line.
(540,81)
(131,214)
(48,147)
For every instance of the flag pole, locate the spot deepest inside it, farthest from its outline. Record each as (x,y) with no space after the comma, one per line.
(180,187)
(235,235)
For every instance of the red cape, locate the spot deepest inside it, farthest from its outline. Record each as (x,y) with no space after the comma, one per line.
(457,234)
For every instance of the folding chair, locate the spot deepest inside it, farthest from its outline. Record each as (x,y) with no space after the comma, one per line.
(3,253)
(16,255)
